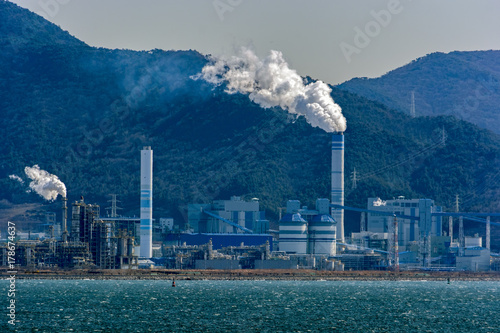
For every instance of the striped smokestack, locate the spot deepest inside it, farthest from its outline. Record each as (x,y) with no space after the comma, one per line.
(338,182)
(146,249)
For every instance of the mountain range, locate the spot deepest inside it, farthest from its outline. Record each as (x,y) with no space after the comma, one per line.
(462,84)
(83,114)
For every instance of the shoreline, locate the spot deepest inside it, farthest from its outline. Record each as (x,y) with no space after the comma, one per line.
(251,274)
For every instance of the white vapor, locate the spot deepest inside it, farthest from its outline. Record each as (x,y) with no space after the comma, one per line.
(45,184)
(379,202)
(270,82)
(17,178)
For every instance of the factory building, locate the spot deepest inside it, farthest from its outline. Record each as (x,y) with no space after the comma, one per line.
(361,260)
(218,240)
(105,247)
(226,223)
(228,216)
(475,257)
(166,225)
(82,217)
(371,240)
(132,225)
(409,230)
(306,231)
(207,256)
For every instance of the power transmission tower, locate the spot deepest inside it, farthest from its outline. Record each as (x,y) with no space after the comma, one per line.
(113,207)
(354,178)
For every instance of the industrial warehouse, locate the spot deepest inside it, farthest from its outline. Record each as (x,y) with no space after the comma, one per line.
(395,234)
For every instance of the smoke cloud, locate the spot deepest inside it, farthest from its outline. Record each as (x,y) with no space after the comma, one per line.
(45,184)
(379,202)
(270,82)
(16,178)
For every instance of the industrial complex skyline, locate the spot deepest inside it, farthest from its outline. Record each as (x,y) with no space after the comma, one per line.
(262,170)
(307,238)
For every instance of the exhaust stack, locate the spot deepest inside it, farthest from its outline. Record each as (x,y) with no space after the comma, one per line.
(338,182)
(146,249)
(65,220)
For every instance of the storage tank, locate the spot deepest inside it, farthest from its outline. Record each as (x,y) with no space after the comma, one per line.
(121,246)
(293,234)
(130,246)
(322,235)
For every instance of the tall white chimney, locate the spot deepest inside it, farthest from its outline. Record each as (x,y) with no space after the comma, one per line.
(146,249)
(338,182)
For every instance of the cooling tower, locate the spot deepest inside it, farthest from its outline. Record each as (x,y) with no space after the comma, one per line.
(338,182)
(146,249)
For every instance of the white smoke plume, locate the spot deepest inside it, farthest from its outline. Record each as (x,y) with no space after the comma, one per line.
(45,184)
(16,178)
(270,82)
(379,202)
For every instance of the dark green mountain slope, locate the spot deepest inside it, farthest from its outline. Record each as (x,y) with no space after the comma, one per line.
(84,113)
(462,84)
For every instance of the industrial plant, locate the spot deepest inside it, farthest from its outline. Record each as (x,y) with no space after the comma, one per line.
(394,234)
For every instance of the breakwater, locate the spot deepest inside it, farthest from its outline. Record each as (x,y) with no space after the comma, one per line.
(302,275)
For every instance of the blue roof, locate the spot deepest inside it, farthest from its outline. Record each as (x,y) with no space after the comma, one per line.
(292,218)
(323,218)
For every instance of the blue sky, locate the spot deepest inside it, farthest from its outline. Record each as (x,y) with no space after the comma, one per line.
(328,40)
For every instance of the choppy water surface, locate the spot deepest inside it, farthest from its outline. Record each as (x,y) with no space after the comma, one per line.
(254,306)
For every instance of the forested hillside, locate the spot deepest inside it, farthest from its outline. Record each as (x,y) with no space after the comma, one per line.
(84,113)
(462,84)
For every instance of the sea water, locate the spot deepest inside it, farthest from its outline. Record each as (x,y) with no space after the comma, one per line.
(253,306)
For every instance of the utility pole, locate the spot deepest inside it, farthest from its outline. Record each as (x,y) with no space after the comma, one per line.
(362,222)
(281,209)
(412,107)
(396,245)
(461,237)
(450,227)
(390,242)
(488,232)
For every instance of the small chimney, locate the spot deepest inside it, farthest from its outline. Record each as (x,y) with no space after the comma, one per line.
(64,220)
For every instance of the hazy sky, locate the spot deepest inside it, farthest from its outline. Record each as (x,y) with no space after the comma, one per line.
(328,40)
